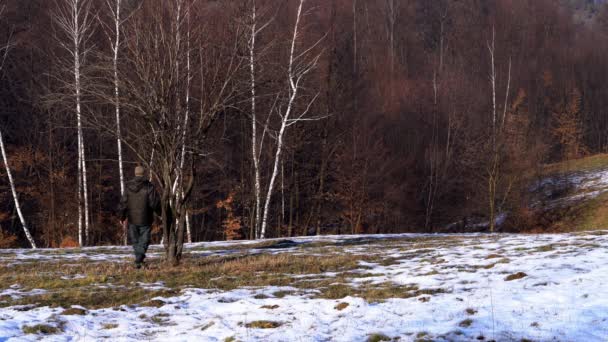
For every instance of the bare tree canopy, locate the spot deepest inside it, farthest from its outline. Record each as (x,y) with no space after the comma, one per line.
(261,119)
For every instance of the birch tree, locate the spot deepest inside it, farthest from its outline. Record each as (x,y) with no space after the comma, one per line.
(437,159)
(28,235)
(9,174)
(254,138)
(297,69)
(75,22)
(257,142)
(493,170)
(184,128)
(115,8)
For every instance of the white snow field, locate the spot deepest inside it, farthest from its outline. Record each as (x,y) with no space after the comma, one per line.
(474,287)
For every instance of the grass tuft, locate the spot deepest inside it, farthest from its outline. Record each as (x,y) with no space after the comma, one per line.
(74,311)
(341,306)
(45,329)
(207,326)
(494,256)
(466,323)
(470,311)
(378,338)
(270,307)
(282,294)
(263,324)
(154,303)
(516,276)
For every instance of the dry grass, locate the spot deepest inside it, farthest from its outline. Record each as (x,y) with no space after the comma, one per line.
(378,338)
(44,329)
(269,307)
(74,311)
(374,293)
(54,326)
(471,311)
(111,284)
(590,163)
(516,276)
(263,325)
(94,285)
(465,323)
(341,306)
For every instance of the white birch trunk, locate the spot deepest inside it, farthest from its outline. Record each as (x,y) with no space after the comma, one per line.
(284,122)
(254,139)
(115,49)
(178,170)
(183,156)
(188,231)
(73,19)
(493,83)
(76,54)
(150,177)
(177,185)
(14,191)
(282,193)
(77,38)
(85,192)
(79,177)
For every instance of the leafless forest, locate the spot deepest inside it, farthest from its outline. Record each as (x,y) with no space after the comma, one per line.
(267,118)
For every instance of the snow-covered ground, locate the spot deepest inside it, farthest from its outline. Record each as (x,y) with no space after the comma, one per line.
(559,292)
(565,189)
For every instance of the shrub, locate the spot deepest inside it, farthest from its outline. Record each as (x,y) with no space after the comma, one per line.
(68,242)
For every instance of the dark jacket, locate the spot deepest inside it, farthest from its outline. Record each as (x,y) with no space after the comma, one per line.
(139,202)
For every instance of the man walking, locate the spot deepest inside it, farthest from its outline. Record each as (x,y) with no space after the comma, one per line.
(137,208)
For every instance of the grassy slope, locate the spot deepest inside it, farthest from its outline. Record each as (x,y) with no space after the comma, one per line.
(591,163)
(590,214)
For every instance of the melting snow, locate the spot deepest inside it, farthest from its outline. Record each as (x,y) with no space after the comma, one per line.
(562,296)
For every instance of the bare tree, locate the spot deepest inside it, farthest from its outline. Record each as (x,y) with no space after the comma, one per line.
(436,158)
(257,142)
(74,19)
(115,8)
(297,69)
(494,167)
(254,129)
(165,133)
(29,237)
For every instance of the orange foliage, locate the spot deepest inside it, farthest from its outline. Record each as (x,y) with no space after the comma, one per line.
(7,240)
(568,127)
(232,224)
(68,242)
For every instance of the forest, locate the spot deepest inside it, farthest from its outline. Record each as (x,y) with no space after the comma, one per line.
(265,118)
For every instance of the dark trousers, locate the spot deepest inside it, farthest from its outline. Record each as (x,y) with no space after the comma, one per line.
(140,238)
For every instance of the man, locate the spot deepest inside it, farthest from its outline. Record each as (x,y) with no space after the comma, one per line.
(137,208)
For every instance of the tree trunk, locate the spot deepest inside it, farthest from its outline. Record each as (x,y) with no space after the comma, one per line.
(115,49)
(255,153)
(293,84)
(14,192)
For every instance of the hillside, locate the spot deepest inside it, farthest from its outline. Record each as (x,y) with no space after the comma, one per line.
(572,195)
(349,288)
